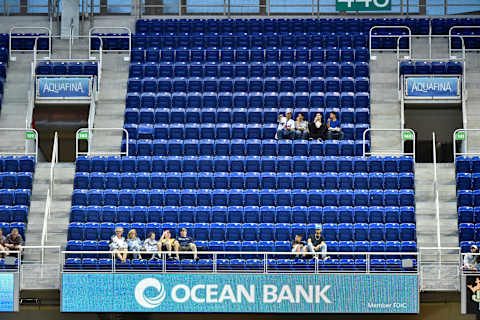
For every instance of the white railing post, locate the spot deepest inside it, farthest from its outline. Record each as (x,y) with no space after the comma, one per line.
(89,151)
(435,189)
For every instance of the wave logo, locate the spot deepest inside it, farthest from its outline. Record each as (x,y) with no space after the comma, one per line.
(145,301)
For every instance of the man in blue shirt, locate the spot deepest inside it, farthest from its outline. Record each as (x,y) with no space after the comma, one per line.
(334,130)
(185,243)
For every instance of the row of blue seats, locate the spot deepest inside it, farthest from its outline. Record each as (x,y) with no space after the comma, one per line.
(244,40)
(7,228)
(287,69)
(240,180)
(241,147)
(240,197)
(4,55)
(269,26)
(469,42)
(466,245)
(17,164)
(14,180)
(467,181)
(241,84)
(254,69)
(468,232)
(224,164)
(241,100)
(468,198)
(3,70)
(468,215)
(236,214)
(257,54)
(241,265)
(13,197)
(236,123)
(13,213)
(226,130)
(253,231)
(436,67)
(467,164)
(254,246)
(64,68)
(25,41)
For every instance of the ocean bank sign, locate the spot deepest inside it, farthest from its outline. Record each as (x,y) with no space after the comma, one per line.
(432,87)
(63,87)
(237,293)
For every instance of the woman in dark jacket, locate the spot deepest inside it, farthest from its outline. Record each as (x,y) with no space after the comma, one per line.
(317,128)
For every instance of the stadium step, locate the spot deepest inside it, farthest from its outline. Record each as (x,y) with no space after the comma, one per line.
(426,207)
(385,107)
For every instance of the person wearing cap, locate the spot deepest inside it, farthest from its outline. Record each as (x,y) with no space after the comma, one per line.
(316,242)
(301,127)
(333,125)
(471,259)
(286,126)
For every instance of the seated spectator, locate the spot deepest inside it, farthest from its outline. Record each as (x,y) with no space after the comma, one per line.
(14,241)
(185,243)
(134,244)
(167,243)
(317,129)
(118,245)
(286,126)
(334,130)
(298,246)
(301,127)
(471,260)
(152,246)
(316,242)
(2,245)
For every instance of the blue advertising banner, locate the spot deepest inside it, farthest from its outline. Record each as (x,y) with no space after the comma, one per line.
(63,87)
(255,293)
(7,292)
(432,87)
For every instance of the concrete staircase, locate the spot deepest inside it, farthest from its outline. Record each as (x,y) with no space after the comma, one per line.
(473,101)
(385,110)
(110,107)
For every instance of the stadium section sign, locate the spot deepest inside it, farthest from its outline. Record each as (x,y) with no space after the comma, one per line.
(63,87)
(363,5)
(258,293)
(432,87)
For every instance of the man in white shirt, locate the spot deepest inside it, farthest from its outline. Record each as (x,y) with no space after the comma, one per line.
(286,126)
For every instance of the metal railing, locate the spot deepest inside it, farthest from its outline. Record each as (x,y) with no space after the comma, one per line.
(265,261)
(89,132)
(13,36)
(28,135)
(374,36)
(467,137)
(435,189)
(92,36)
(405,135)
(30,98)
(468,36)
(50,193)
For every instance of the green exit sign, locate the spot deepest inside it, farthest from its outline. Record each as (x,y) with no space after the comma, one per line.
(460,135)
(30,135)
(82,135)
(407,135)
(363,5)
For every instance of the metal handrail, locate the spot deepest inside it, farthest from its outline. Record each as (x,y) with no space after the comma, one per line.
(29,37)
(264,257)
(435,189)
(388,36)
(90,137)
(465,143)
(26,152)
(402,153)
(90,36)
(450,49)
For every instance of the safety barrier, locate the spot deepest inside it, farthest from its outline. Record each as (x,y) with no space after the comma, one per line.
(467,36)
(30,136)
(405,135)
(466,137)
(90,36)
(12,36)
(87,134)
(374,36)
